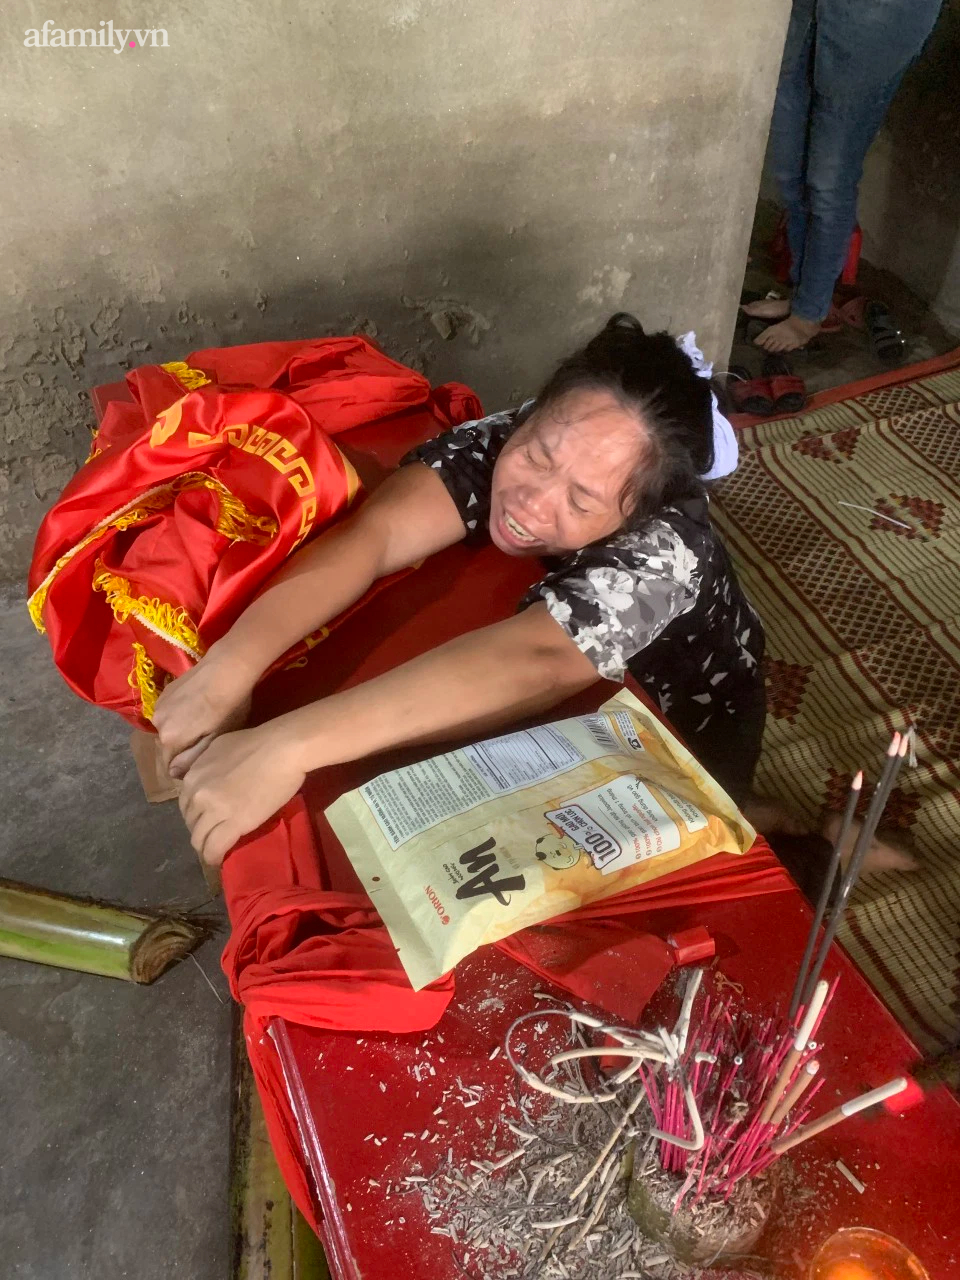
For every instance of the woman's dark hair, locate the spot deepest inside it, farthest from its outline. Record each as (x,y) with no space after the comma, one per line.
(648,374)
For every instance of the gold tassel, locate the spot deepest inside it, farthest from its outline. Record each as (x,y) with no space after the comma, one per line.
(235,522)
(187,377)
(144,678)
(168,620)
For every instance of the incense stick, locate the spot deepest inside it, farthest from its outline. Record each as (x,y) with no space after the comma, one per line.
(825,892)
(895,753)
(796,1053)
(795,1092)
(842,1112)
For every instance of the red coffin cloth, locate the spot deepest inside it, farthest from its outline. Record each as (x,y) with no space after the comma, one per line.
(195,493)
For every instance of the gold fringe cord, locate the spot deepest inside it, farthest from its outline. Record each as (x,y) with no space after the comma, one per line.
(143,677)
(168,620)
(234,521)
(187,377)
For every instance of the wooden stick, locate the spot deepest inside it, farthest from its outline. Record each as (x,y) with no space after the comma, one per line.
(796,1053)
(825,891)
(895,753)
(796,1092)
(842,1112)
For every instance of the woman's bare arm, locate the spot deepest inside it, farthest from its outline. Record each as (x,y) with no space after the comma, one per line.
(408,518)
(471,685)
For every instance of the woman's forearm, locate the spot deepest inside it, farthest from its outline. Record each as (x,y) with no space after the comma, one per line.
(475,683)
(408,518)
(319,582)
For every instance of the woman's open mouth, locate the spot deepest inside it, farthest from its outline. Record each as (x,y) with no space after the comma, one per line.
(514,532)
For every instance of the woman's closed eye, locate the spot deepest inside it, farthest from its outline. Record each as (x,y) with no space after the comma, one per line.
(542,463)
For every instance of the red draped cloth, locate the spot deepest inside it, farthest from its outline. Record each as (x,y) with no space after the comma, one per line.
(195,492)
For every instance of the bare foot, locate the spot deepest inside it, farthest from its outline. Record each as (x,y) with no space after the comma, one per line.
(791,334)
(767,309)
(883,854)
(770,818)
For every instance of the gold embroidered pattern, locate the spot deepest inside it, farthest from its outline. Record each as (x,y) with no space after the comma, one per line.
(283,456)
(170,621)
(187,377)
(143,677)
(234,521)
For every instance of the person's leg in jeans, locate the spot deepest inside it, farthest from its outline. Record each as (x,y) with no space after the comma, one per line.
(861,50)
(789,132)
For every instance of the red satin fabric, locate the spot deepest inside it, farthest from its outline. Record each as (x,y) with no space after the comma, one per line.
(249,451)
(322,958)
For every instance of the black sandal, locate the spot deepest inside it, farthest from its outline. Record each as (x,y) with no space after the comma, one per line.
(886,337)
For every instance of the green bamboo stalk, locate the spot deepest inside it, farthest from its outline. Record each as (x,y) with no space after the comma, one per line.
(270,1238)
(91,937)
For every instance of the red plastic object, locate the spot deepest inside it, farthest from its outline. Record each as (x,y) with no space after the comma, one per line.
(852,264)
(911,1097)
(690,945)
(782,261)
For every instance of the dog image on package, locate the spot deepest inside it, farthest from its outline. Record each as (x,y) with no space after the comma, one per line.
(468,847)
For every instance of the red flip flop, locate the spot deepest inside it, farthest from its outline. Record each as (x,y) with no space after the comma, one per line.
(749,394)
(789,393)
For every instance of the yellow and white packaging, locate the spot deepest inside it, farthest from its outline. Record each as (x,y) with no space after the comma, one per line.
(470,846)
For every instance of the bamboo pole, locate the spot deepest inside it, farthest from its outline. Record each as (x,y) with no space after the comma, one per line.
(92,937)
(270,1239)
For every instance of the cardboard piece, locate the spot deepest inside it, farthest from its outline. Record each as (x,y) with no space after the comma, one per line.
(159,786)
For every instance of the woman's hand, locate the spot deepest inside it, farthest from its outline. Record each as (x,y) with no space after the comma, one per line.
(212,698)
(237,783)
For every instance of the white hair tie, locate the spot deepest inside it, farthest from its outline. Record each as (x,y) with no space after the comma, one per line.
(725,450)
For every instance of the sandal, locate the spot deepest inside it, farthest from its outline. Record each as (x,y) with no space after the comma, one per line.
(886,337)
(788,392)
(747,393)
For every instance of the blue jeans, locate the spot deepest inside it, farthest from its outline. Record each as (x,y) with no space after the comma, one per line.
(842,63)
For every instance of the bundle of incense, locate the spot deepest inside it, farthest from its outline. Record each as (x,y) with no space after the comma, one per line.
(898,748)
(826,890)
(730,1093)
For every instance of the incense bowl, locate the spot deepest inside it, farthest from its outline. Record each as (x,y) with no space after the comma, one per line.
(713,1230)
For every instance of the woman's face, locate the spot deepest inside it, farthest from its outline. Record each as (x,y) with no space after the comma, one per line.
(558,481)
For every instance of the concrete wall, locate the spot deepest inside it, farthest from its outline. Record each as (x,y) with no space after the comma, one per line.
(477,185)
(910,198)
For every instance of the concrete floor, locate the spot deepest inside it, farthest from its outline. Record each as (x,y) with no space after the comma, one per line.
(114,1157)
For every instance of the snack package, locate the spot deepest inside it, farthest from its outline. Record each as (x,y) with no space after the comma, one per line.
(471,846)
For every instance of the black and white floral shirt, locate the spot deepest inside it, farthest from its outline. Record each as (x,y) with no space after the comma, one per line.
(662,602)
